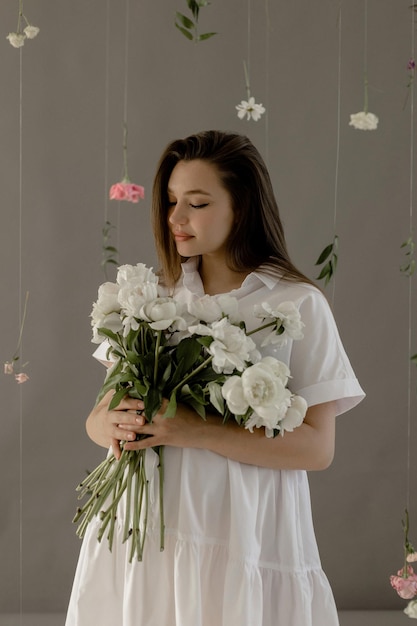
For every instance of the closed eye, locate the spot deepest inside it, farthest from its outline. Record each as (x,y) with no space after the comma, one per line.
(199,206)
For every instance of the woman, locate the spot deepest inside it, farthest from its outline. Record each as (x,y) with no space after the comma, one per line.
(239,541)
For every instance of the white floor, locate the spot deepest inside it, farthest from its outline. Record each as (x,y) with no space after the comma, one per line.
(347,618)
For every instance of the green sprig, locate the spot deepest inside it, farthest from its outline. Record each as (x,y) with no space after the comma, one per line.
(408,267)
(109,252)
(189,26)
(329,257)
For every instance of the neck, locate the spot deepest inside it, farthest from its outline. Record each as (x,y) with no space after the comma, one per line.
(217,277)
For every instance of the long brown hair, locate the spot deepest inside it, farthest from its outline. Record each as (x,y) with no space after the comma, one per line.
(258,238)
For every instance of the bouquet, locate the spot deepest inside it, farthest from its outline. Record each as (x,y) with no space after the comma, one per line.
(197,353)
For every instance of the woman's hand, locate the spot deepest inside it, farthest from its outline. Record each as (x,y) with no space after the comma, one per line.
(182,431)
(108,428)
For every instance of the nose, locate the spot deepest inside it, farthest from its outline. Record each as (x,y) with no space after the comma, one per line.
(177,214)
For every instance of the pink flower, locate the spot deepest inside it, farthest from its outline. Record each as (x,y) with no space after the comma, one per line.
(405,584)
(126,191)
(21,378)
(8,368)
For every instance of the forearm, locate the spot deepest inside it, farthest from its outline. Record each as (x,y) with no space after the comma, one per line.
(309,447)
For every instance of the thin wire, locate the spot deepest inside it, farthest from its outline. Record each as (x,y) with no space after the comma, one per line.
(410,316)
(336,176)
(268,25)
(106,114)
(249,36)
(20,324)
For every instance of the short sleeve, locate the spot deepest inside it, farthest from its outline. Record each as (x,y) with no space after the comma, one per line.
(320,369)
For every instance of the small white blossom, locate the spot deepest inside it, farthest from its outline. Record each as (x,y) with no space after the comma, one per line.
(31,31)
(295,414)
(250,109)
(411,609)
(364,121)
(288,322)
(17,40)
(106,311)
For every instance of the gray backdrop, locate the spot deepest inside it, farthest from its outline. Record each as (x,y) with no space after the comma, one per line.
(175,88)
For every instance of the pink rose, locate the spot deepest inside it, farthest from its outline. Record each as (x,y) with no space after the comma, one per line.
(21,378)
(405,584)
(126,191)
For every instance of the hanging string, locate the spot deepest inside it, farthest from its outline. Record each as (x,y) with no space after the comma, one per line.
(20,326)
(410,316)
(336,175)
(106,115)
(268,26)
(249,36)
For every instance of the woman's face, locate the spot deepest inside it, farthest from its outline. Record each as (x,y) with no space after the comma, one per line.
(200,214)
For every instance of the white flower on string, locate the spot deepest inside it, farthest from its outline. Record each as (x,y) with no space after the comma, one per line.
(250,109)
(31,31)
(17,40)
(364,121)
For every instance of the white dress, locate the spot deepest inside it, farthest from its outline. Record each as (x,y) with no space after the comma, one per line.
(240,548)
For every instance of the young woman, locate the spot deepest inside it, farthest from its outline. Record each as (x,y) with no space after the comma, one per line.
(240,548)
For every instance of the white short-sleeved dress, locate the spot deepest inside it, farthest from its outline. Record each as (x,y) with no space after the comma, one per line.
(240,548)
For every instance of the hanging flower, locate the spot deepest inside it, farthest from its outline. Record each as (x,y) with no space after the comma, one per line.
(9,366)
(17,39)
(125,189)
(249,107)
(21,377)
(31,31)
(364,121)
(405,583)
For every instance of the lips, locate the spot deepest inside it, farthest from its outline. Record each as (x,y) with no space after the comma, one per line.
(180,236)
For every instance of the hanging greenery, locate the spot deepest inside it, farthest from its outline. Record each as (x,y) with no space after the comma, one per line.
(109,252)
(189,27)
(408,267)
(329,254)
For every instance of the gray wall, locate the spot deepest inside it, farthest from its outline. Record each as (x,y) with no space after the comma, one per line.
(176,88)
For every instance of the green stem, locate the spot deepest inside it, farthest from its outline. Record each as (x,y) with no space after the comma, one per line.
(252,332)
(126,178)
(245,69)
(155,367)
(191,374)
(161,498)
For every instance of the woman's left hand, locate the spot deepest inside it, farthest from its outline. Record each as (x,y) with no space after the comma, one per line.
(180,431)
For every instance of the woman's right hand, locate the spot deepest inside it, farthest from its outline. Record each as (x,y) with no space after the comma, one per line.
(109,428)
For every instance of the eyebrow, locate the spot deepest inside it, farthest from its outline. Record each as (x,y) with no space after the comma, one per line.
(192,191)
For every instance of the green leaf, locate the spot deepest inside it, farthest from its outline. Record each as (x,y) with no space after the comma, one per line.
(117,398)
(188,351)
(194,8)
(185,21)
(414,358)
(325,254)
(326,270)
(197,406)
(186,33)
(205,36)
(171,407)
(216,397)
(109,334)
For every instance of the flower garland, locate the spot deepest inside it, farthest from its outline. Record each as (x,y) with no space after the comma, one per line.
(197,354)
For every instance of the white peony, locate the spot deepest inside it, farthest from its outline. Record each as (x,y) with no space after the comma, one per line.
(288,322)
(295,414)
(411,609)
(161,313)
(212,308)
(231,348)
(364,121)
(135,275)
(265,393)
(106,311)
